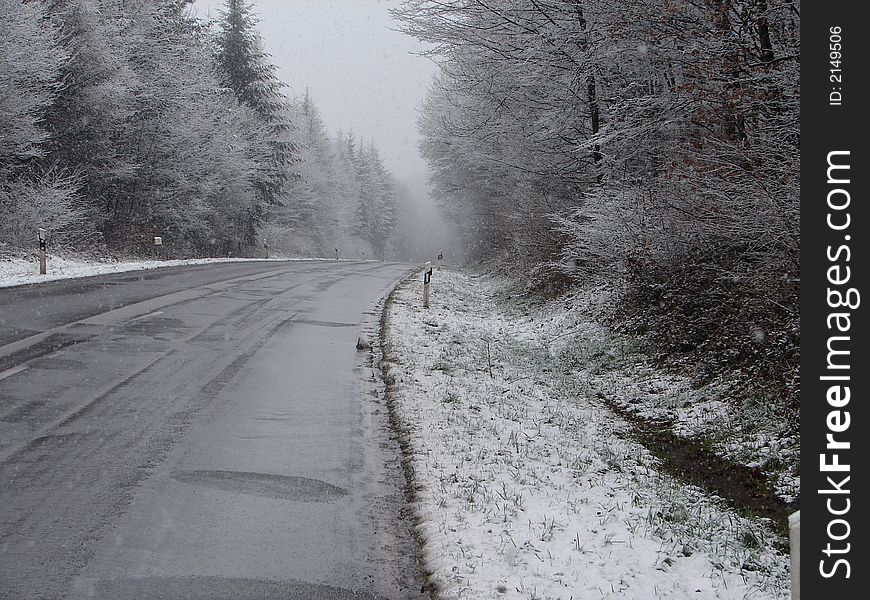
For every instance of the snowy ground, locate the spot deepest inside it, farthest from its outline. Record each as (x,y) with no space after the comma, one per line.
(526,485)
(752,432)
(19,271)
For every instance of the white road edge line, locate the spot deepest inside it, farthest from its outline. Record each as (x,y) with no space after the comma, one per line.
(13,371)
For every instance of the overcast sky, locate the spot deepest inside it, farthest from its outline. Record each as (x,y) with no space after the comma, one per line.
(361,73)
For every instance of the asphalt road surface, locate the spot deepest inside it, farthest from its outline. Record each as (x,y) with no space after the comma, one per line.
(200,432)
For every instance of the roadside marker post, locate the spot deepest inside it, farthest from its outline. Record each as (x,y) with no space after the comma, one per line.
(794,531)
(427,278)
(42,249)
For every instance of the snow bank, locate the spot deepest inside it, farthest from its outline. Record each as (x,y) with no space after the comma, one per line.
(20,271)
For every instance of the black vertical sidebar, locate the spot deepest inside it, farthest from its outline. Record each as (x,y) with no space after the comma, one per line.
(835,364)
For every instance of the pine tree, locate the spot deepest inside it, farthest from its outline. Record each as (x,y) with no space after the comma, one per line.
(248,72)
(304,226)
(377,209)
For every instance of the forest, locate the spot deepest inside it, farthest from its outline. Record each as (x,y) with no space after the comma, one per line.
(123,121)
(648,146)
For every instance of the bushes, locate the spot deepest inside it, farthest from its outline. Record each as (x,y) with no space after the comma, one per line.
(717,316)
(50,200)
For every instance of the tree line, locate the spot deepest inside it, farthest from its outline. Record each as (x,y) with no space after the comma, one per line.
(123,120)
(653,144)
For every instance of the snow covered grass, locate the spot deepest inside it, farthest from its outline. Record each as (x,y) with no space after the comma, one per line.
(752,432)
(20,271)
(527,485)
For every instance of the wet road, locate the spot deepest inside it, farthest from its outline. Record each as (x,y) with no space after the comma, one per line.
(208,432)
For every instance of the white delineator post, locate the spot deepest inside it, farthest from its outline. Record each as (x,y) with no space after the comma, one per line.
(42,248)
(427,278)
(794,531)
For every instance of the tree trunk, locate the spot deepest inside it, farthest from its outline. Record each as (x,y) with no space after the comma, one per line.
(763,27)
(591,91)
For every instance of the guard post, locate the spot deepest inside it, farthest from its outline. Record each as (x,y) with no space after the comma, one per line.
(42,248)
(427,278)
(794,531)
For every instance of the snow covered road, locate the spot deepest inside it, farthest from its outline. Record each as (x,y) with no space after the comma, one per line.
(202,433)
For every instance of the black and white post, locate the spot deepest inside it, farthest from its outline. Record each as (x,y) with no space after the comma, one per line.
(794,530)
(427,279)
(42,249)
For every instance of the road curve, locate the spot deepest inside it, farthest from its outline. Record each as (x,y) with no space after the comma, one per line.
(208,432)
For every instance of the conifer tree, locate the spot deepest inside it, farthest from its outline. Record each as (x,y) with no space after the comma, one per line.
(376,210)
(248,72)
